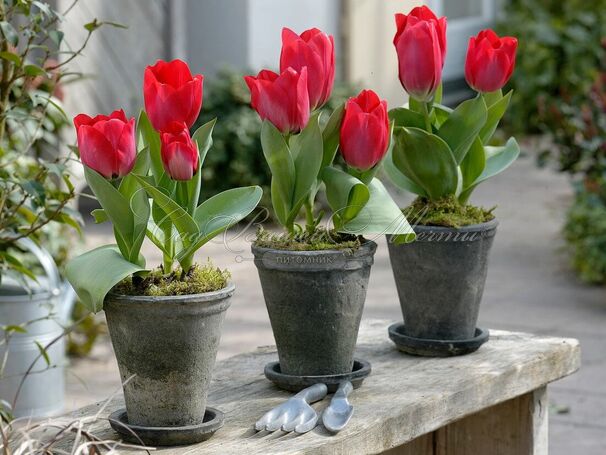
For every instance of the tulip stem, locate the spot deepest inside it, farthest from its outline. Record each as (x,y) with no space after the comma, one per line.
(309,214)
(425,107)
(169,247)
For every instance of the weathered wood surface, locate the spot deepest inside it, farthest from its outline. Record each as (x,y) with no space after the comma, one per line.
(514,427)
(404,398)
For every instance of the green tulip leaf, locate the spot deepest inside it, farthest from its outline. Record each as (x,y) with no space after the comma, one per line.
(463,125)
(157,237)
(220,212)
(402,116)
(380,215)
(203,138)
(150,138)
(330,135)
(185,224)
(497,160)
(138,201)
(473,164)
(426,160)
(279,159)
(495,112)
(116,206)
(281,207)
(346,195)
(440,114)
(100,216)
(399,179)
(95,272)
(307,148)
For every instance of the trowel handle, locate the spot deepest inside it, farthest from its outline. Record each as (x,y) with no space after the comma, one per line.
(314,393)
(345,388)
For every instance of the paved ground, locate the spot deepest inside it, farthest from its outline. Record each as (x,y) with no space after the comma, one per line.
(529,288)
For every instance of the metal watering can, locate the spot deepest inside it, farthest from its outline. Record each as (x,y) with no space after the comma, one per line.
(45,310)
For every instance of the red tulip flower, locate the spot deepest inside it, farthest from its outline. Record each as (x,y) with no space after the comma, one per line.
(282,99)
(107,143)
(490,61)
(179,152)
(171,94)
(420,43)
(364,134)
(315,50)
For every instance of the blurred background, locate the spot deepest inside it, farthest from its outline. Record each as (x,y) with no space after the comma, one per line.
(548,264)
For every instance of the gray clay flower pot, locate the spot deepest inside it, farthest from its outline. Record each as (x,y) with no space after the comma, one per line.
(440,279)
(315,301)
(168,345)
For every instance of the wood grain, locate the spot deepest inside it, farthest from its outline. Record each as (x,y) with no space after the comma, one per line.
(404,398)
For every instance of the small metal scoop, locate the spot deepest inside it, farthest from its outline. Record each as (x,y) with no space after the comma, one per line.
(295,414)
(338,413)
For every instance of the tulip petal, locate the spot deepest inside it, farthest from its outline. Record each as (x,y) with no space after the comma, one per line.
(82,119)
(171,93)
(490,61)
(127,148)
(283,99)
(364,132)
(96,151)
(288,36)
(420,60)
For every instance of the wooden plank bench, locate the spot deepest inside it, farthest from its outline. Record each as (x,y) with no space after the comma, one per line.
(491,402)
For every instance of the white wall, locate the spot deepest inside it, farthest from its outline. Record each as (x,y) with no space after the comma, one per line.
(245,34)
(267,17)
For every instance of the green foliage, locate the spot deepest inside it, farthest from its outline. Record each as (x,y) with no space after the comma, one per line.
(108,267)
(236,156)
(585,232)
(560,80)
(427,160)
(35,186)
(346,194)
(177,223)
(440,152)
(380,215)
(558,57)
(579,141)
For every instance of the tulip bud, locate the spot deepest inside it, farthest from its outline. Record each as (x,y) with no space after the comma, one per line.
(490,61)
(420,43)
(315,50)
(107,143)
(282,99)
(179,152)
(171,94)
(364,134)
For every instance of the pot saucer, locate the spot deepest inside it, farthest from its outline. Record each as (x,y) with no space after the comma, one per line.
(167,436)
(435,348)
(361,369)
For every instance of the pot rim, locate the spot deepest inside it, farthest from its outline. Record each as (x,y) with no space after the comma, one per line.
(487,226)
(212,296)
(367,247)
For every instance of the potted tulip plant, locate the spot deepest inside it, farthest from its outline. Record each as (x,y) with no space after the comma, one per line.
(442,155)
(165,323)
(314,278)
